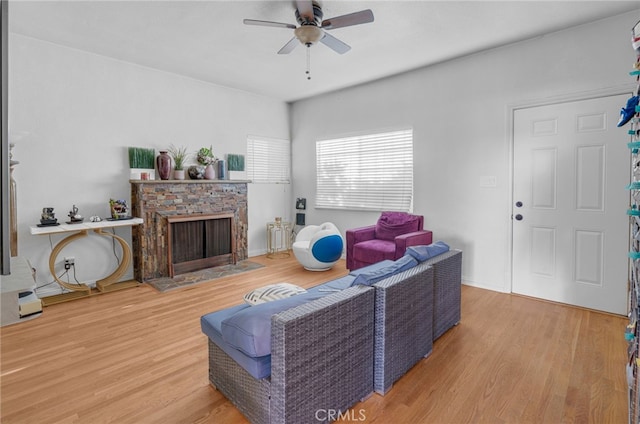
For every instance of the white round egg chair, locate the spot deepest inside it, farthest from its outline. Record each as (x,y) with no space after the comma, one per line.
(318,247)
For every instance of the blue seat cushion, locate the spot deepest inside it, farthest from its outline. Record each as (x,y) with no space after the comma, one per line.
(380,273)
(422,253)
(249,329)
(214,319)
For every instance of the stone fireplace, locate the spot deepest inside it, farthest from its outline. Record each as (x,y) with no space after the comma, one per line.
(188,225)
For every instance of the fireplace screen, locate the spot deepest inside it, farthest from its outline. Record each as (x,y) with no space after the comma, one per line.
(198,242)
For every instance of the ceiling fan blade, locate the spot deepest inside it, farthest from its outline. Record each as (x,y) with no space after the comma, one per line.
(356,18)
(335,44)
(288,48)
(305,9)
(268,24)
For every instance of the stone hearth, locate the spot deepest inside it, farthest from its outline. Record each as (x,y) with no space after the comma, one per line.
(154,201)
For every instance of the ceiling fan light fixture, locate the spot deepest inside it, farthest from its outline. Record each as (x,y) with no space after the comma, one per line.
(309,34)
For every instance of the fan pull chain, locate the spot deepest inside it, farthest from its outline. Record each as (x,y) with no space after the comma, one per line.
(308,61)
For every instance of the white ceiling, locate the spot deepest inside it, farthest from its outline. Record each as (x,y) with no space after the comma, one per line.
(207,40)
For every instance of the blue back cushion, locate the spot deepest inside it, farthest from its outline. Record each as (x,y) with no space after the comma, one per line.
(249,330)
(377,274)
(422,253)
(259,367)
(372,267)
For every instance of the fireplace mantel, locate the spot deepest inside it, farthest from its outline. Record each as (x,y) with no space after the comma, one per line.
(154,200)
(153,182)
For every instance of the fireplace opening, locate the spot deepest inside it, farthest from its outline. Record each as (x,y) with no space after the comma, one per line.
(200,241)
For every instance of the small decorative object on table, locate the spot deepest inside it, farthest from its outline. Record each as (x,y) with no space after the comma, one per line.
(119,209)
(74,216)
(47,218)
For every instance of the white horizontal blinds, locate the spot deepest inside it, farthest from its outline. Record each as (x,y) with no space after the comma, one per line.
(268,160)
(367,172)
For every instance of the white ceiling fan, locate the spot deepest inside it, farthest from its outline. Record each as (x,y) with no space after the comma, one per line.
(313,29)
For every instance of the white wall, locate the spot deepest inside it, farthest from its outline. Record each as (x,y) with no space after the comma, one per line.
(73,114)
(460,112)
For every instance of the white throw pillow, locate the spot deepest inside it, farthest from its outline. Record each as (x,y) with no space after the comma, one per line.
(272,292)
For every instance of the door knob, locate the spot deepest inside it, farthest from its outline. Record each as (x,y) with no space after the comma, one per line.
(518,204)
(519,217)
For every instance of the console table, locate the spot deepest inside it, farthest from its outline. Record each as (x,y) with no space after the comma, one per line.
(109,283)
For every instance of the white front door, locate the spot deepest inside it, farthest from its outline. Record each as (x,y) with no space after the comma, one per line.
(570,228)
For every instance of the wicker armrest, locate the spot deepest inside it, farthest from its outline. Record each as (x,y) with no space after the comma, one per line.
(447,278)
(404,315)
(322,356)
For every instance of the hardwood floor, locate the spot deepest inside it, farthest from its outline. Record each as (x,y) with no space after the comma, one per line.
(138,356)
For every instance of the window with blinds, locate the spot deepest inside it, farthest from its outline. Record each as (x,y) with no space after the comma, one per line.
(268,160)
(366,172)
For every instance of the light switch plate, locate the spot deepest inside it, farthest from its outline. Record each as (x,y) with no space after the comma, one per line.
(488,181)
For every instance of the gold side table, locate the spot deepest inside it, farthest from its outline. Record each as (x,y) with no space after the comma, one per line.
(279,239)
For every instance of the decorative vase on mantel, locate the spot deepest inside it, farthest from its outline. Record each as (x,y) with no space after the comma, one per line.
(210,172)
(163,162)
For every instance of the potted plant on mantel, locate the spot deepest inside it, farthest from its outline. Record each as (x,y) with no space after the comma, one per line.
(142,162)
(206,157)
(179,155)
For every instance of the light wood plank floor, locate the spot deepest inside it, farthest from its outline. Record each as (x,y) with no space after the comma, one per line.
(138,356)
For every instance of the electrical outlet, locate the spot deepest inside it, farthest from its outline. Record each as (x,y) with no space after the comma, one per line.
(69,261)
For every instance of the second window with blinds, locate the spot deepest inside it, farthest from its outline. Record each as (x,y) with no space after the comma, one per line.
(268,160)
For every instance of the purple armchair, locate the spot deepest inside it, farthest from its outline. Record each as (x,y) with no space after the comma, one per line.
(387,239)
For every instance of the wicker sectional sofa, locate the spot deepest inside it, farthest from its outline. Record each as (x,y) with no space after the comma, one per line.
(334,345)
